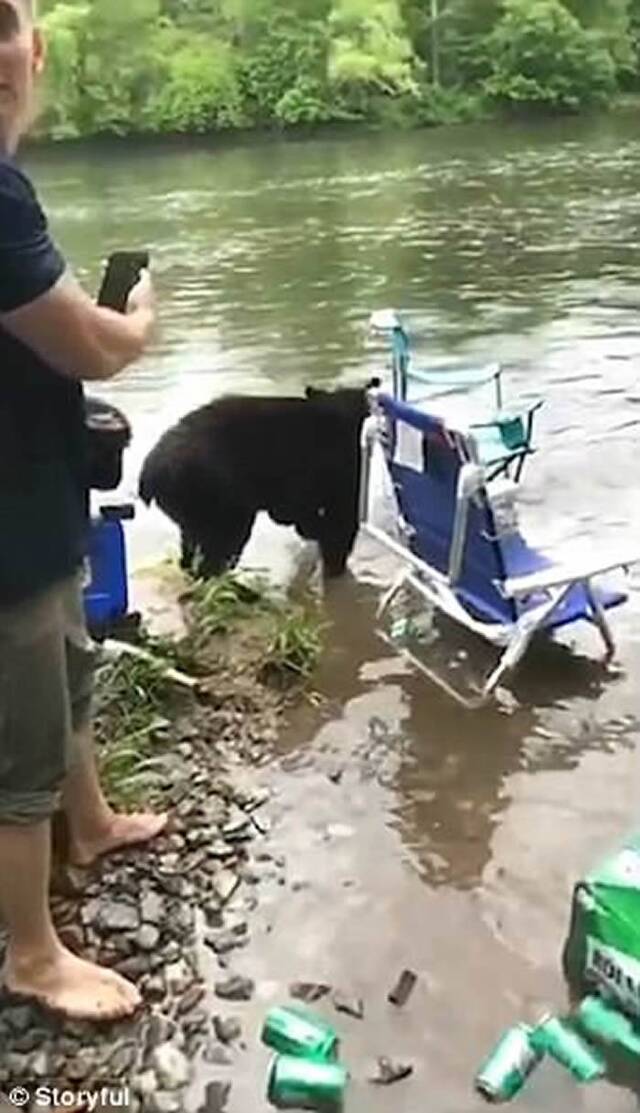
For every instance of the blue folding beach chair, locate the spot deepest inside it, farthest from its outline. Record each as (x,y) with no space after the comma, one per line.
(461,546)
(504,438)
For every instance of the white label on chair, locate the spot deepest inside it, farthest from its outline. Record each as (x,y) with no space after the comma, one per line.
(409,447)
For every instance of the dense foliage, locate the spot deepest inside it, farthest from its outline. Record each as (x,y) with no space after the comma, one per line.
(122,66)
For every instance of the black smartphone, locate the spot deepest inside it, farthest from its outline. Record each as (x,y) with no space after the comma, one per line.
(120,276)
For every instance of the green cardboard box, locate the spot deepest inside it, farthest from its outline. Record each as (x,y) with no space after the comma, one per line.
(602,952)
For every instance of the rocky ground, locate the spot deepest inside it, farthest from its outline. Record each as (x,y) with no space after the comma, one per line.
(169,917)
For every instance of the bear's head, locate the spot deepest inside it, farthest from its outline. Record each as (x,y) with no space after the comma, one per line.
(350,403)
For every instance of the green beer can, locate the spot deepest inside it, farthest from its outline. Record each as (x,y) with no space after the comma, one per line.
(567,1047)
(604,1023)
(306,1084)
(294,1030)
(509,1065)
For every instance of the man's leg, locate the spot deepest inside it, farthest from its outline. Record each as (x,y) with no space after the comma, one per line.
(93,826)
(35,721)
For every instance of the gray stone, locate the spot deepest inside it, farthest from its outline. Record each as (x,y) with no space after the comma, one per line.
(220,850)
(170,862)
(225,884)
(235,988)
(197,1022)
(148,937)
(227,1029)
(72,936)
(144,1083)
(222,942)
(184,918)
(171,1066)
(152,908)
(158,1030)
(172,885)
(347,1003)
(134,967)
(190,999)
(161,1102)
(217,1056)
(155,988)
(32,1040)
(17,1066)
(90,912)
(39,1065)
(177,976)
(123,1060)
(116,916)
(309,991)
(216,1097)
(18,1018)
(390,1071)
(77,1069)
(173,952)
(237,829)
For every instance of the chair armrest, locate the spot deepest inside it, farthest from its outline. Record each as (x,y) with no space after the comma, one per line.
(559,575)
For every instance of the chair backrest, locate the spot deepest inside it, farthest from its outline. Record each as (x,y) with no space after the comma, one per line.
(425,458)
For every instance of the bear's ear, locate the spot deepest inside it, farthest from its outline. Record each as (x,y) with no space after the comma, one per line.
(374,384)
(313,392)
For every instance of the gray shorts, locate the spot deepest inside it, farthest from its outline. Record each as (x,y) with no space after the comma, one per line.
(47,663)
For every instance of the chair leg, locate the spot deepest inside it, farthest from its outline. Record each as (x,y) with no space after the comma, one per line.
(528,626)
(394,590)
(601,621)
(511,657)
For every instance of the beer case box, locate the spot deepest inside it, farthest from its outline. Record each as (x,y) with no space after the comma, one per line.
(602,951)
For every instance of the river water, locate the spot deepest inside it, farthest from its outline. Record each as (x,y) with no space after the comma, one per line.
(454,839)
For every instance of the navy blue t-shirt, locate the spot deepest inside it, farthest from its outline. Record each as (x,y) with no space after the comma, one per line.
(43,498)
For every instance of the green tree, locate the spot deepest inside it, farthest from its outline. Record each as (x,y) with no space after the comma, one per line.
(129,66)
(370,51)
(543,57)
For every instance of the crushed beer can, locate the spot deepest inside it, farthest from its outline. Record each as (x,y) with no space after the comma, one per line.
(603,1023)
(506,1070)
(294,1030)
(307,1084)
(555,1038)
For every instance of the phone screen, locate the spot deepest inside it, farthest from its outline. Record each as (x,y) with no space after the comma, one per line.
(121,274)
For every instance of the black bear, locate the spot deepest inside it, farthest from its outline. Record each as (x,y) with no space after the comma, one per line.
(296,458)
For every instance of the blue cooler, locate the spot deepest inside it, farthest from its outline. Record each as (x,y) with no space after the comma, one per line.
(106,594)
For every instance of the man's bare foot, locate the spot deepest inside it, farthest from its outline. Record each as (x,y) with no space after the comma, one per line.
(118,833)
(67,984)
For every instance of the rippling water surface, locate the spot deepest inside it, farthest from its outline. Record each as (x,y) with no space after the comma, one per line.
(496,242)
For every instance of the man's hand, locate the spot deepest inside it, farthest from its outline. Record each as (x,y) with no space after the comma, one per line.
(142,295)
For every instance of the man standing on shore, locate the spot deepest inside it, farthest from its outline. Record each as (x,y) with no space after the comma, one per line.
(52,336)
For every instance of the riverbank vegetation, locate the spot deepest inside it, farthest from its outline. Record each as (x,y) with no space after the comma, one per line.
(204,66)
(245,651)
